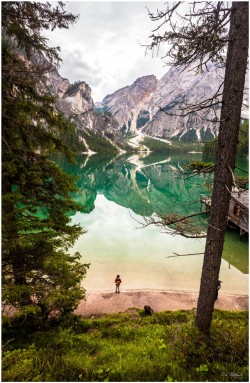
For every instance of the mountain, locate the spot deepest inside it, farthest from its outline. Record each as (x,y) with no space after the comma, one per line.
(147,107)
(159,108)
(131,103)
(96,131)
(175,91)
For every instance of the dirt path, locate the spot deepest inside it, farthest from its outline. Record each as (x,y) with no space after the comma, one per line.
(108,302)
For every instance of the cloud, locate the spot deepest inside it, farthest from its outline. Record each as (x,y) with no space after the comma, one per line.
(103,47)
(77,68)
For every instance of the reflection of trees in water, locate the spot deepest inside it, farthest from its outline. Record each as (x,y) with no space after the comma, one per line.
(236,251)
(145,189)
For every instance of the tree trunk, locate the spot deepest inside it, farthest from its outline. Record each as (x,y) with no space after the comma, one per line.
(10,235)
(227,142)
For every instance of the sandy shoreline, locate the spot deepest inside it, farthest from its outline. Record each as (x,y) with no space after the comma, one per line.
(97,303)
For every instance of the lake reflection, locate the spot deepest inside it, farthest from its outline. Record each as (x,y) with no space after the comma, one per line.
(117,192)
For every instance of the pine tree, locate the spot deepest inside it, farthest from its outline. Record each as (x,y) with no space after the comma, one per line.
(40,275)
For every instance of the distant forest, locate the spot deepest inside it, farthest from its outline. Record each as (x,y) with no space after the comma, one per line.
(210,148)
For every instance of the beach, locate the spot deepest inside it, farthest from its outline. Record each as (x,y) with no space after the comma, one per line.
(99,303)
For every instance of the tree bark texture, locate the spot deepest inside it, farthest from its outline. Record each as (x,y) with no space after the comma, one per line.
(236,64)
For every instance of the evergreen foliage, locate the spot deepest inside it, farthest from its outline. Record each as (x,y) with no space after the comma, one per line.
(175,146)
(200,166)
(243,140)
(210,148)
(201,35)
(39,274)
(98,143)
(73,88)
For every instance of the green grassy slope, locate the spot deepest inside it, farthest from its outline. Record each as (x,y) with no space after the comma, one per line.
(129,347)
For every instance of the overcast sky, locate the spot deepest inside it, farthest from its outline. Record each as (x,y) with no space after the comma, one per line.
(103,47)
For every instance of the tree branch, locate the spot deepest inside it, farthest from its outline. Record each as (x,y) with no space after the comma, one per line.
(186,229)
(183,255)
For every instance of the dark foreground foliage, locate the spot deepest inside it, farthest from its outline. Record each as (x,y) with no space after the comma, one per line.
(128,347)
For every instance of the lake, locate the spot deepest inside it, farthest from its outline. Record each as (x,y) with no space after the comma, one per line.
(116,194)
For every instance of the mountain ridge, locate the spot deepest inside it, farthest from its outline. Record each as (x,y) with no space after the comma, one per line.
(164,112)
(96,132)
(147,107)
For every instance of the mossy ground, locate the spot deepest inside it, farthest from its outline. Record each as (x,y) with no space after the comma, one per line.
(129,347)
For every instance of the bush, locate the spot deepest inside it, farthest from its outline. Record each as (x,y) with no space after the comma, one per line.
(21,365)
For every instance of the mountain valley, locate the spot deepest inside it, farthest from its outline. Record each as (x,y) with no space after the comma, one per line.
(173,108)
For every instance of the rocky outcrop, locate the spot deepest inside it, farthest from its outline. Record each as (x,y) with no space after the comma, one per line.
(130,104)
(150,107)
(74,99)
(176,91)
(160,108)
(95,131)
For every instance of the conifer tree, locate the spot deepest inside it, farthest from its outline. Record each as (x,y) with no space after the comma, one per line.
(40,275)
(204,33)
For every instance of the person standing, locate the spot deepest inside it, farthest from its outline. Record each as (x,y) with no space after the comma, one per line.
(118,281)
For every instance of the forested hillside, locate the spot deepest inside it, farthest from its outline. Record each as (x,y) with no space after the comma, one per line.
(210,148)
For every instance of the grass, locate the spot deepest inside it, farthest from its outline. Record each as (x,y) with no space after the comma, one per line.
(129,347)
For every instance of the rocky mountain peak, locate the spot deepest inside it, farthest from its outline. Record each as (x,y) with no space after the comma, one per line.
(127,103)
(74,99)
(176,91)
(159,108)
(95,131)
(78,98)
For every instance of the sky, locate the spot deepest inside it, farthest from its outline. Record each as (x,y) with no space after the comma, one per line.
(104,47)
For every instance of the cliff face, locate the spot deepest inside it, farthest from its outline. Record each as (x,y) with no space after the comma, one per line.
(95,131)
(159,108)
(154,108)
(74,99)
(131,103)
(176,91)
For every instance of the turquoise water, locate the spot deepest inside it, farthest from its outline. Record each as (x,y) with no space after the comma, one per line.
(116,194)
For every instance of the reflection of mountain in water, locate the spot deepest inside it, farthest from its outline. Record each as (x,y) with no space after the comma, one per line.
(144,188)
(149,187)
